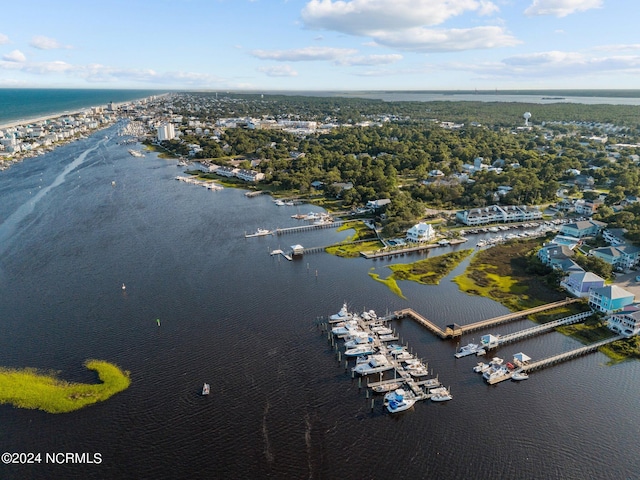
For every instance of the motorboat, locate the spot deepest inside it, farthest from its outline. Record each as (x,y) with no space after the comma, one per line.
(387,338)
(386,387)
(359,338)
(469,349)
(440,394)
(496,374)
(360,350)
(261,232)
(343,314)
(399,400)
(519,375)
(376,363)
(481,367)
(350,327)
(369,315)
(418,369)
(381,330)
(206,388)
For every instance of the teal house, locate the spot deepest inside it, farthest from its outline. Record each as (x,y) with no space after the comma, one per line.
(610,299)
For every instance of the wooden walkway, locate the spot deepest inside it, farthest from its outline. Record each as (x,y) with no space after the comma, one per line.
(451,331)
(408,250)
(568,355)
(302,228)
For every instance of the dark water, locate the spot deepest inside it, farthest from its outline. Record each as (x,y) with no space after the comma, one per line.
(281,405)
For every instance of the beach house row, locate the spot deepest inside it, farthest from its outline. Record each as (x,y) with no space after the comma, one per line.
(498,214)
(241,173)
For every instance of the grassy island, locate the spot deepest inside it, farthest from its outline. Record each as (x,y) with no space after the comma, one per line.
(427,272)
(363,239)
(29,388)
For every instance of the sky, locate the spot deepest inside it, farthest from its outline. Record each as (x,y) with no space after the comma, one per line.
(308,45)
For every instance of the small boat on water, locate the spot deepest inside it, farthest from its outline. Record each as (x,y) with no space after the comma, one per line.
(481,367)
(343,314)
(124,287)
(399,400)
(206,388)
(360,350)
(519,375)
(261,232)
(440,394)
(386,387)
(469,349)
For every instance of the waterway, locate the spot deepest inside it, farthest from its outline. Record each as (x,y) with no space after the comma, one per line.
(233,316)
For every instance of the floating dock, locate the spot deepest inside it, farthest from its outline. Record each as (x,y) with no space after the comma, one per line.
(280,252)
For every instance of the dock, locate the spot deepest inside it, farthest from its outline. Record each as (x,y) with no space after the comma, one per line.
(256,193)
(562,357)
(280,252)
(408,250)
(452,331)
(529,332)
(314,226)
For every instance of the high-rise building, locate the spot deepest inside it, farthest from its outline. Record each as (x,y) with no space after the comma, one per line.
(166,131)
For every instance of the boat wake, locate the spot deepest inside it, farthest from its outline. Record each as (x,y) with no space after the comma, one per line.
(8,227)
(265,434)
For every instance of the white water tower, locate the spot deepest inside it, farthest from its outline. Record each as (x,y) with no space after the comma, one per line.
(527,116)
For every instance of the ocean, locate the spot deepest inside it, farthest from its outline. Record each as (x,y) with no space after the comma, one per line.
(282,405)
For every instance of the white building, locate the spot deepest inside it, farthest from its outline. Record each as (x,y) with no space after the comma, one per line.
(166,132)
(421,232)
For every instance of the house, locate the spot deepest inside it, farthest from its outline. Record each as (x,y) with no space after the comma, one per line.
(421,232)
(584,228)
(226,171)
(498,214)
(568,266)
(587,207)
(553,255)
(579,284)
(621,257)
(584,181)
(610,299)
(626,322)
(614,236)
(376,204)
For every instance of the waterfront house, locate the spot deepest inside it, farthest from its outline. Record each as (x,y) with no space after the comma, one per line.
(376,204)
(498,214)
(249,175)
(579,284)
(226,171)
(626,322)
(621,257)
(583,228)
(421,232)
(610,299)
(587,207)
(554,255)
(568,266)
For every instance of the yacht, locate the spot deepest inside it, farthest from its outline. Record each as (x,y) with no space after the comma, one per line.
(261,232)
(382,330)
(349,328)
(343,314)
(497,374)
(360,350)
(469,349)
(399,400)
(359,338)
(481,367)
(376,363)
(440,394)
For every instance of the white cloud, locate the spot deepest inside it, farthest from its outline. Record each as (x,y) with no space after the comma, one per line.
(406,24)
(45,43)
(3,39)
(278,71)
(14,56)
(441,40)
(360,17)
(369,60)
(561,8)
(303,54)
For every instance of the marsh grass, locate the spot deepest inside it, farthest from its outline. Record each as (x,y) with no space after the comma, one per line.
(33,389)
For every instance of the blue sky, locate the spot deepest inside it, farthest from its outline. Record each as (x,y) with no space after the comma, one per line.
(320,44)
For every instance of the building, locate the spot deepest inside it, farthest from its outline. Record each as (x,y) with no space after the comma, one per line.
(498,214)
(610,299)
(587,207)
(626,322)
(376,204)
(249,175)
(579,284)
(554,255)
(614,236)
(166,131)
(620,257)
(421,232)
(584,228)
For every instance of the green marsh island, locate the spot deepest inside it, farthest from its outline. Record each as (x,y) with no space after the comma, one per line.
(32,389)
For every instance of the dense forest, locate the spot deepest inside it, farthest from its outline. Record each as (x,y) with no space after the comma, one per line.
(404,151)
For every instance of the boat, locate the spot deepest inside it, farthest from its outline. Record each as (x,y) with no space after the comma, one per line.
(376,363)
(359,338)
(343,314)
(519,375)
(387,337)
(279,203)
(496,374)
(481,367)
(135,153)
(382,330)
(360,350)
(124,287)
(399,400)
(206,388)
(417,369)
(440,394)
(349,327)
(261,232)
(469,349)
(386,387)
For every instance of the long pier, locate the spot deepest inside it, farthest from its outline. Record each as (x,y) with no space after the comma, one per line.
(568,355)
(529,332)
(452,331)
(314,226)
(408,250)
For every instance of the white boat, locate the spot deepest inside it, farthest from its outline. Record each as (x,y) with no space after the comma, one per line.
(382,330)
(261,232)
(386,387)
(440,394)
(348,328)
(481,367)
(496,374)
(376,363)
(360,350)
(124,287)
(206,388)
(399,400)
(136,153)
(387,338)
(343,314)
(469,349)
(360,338)
(279,203)
(519,375)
